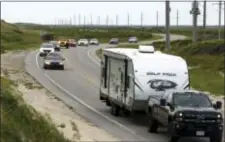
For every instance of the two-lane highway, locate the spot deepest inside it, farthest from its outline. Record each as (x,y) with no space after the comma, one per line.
(78,86)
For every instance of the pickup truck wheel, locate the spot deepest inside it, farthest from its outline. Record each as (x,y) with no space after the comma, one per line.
(174,139)
(152,124)
(114,110)
(216,138)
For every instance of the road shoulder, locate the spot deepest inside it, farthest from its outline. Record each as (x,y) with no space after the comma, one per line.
(66,119)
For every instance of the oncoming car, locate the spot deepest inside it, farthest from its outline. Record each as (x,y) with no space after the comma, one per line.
(83,42)
(114,41)
(56,45)
(133,39)
(46,48)
(53,60)
(72,43)
(94,41)
(62,43)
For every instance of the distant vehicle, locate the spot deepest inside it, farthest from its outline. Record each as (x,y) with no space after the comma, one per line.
(94,41)
(114,41)
(53,60)
(133,39)
(186,114)
(46,48)
(83,42)
(130,76)
(62,43)
(56,45)
(72,43)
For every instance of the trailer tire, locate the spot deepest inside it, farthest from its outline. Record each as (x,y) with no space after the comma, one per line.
(174,139)
(101,98)
(152,124)
(115,110)
(107,102)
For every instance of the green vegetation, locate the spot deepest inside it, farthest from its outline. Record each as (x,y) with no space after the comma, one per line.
(20,122)
(103,34)
(203,34)
(206,58)
(15,38)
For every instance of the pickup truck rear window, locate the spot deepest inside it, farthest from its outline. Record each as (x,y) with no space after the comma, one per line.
(191,99)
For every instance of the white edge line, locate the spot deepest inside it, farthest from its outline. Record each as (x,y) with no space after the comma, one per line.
(91,57)
(83,103)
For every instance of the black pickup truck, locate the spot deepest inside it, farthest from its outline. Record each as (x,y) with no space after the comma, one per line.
(186,114)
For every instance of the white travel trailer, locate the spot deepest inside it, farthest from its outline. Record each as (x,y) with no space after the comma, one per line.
(130,76)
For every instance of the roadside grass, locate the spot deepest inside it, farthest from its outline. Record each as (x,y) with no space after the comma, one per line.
(15,38)
(203,34)
(206,56)
(20,122)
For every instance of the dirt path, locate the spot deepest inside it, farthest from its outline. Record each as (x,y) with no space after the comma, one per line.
(71,124)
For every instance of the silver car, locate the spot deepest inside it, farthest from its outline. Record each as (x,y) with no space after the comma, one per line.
(133,39)
(94,41)
(53,60)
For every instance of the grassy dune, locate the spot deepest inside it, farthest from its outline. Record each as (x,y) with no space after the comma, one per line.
(20,122)
(15,38)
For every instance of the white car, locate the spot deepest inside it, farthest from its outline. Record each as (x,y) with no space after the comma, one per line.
(83,42)
(46,48)
(94,41)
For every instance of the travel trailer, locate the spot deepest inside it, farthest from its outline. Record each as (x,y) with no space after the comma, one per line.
(130,76)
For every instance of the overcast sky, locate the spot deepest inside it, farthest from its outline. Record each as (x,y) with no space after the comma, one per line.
(48,12)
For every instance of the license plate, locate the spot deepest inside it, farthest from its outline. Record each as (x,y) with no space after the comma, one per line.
(200,133)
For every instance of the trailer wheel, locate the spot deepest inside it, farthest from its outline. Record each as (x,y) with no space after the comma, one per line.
(107,102)
(101,98)
(152,124)
(174,139)
(115,110)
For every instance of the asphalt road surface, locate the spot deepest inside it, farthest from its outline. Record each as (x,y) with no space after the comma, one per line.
(78,86)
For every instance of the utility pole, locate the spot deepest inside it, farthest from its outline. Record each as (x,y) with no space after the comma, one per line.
(167,4)
(98,20)
(79,19)
(141,21)
(91,20)
(195,12)
(74,19)
(178,17)
(107,20)
(84,21)
(128,19)
(117,19)
(157,18)
(220,12)
(204,15)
